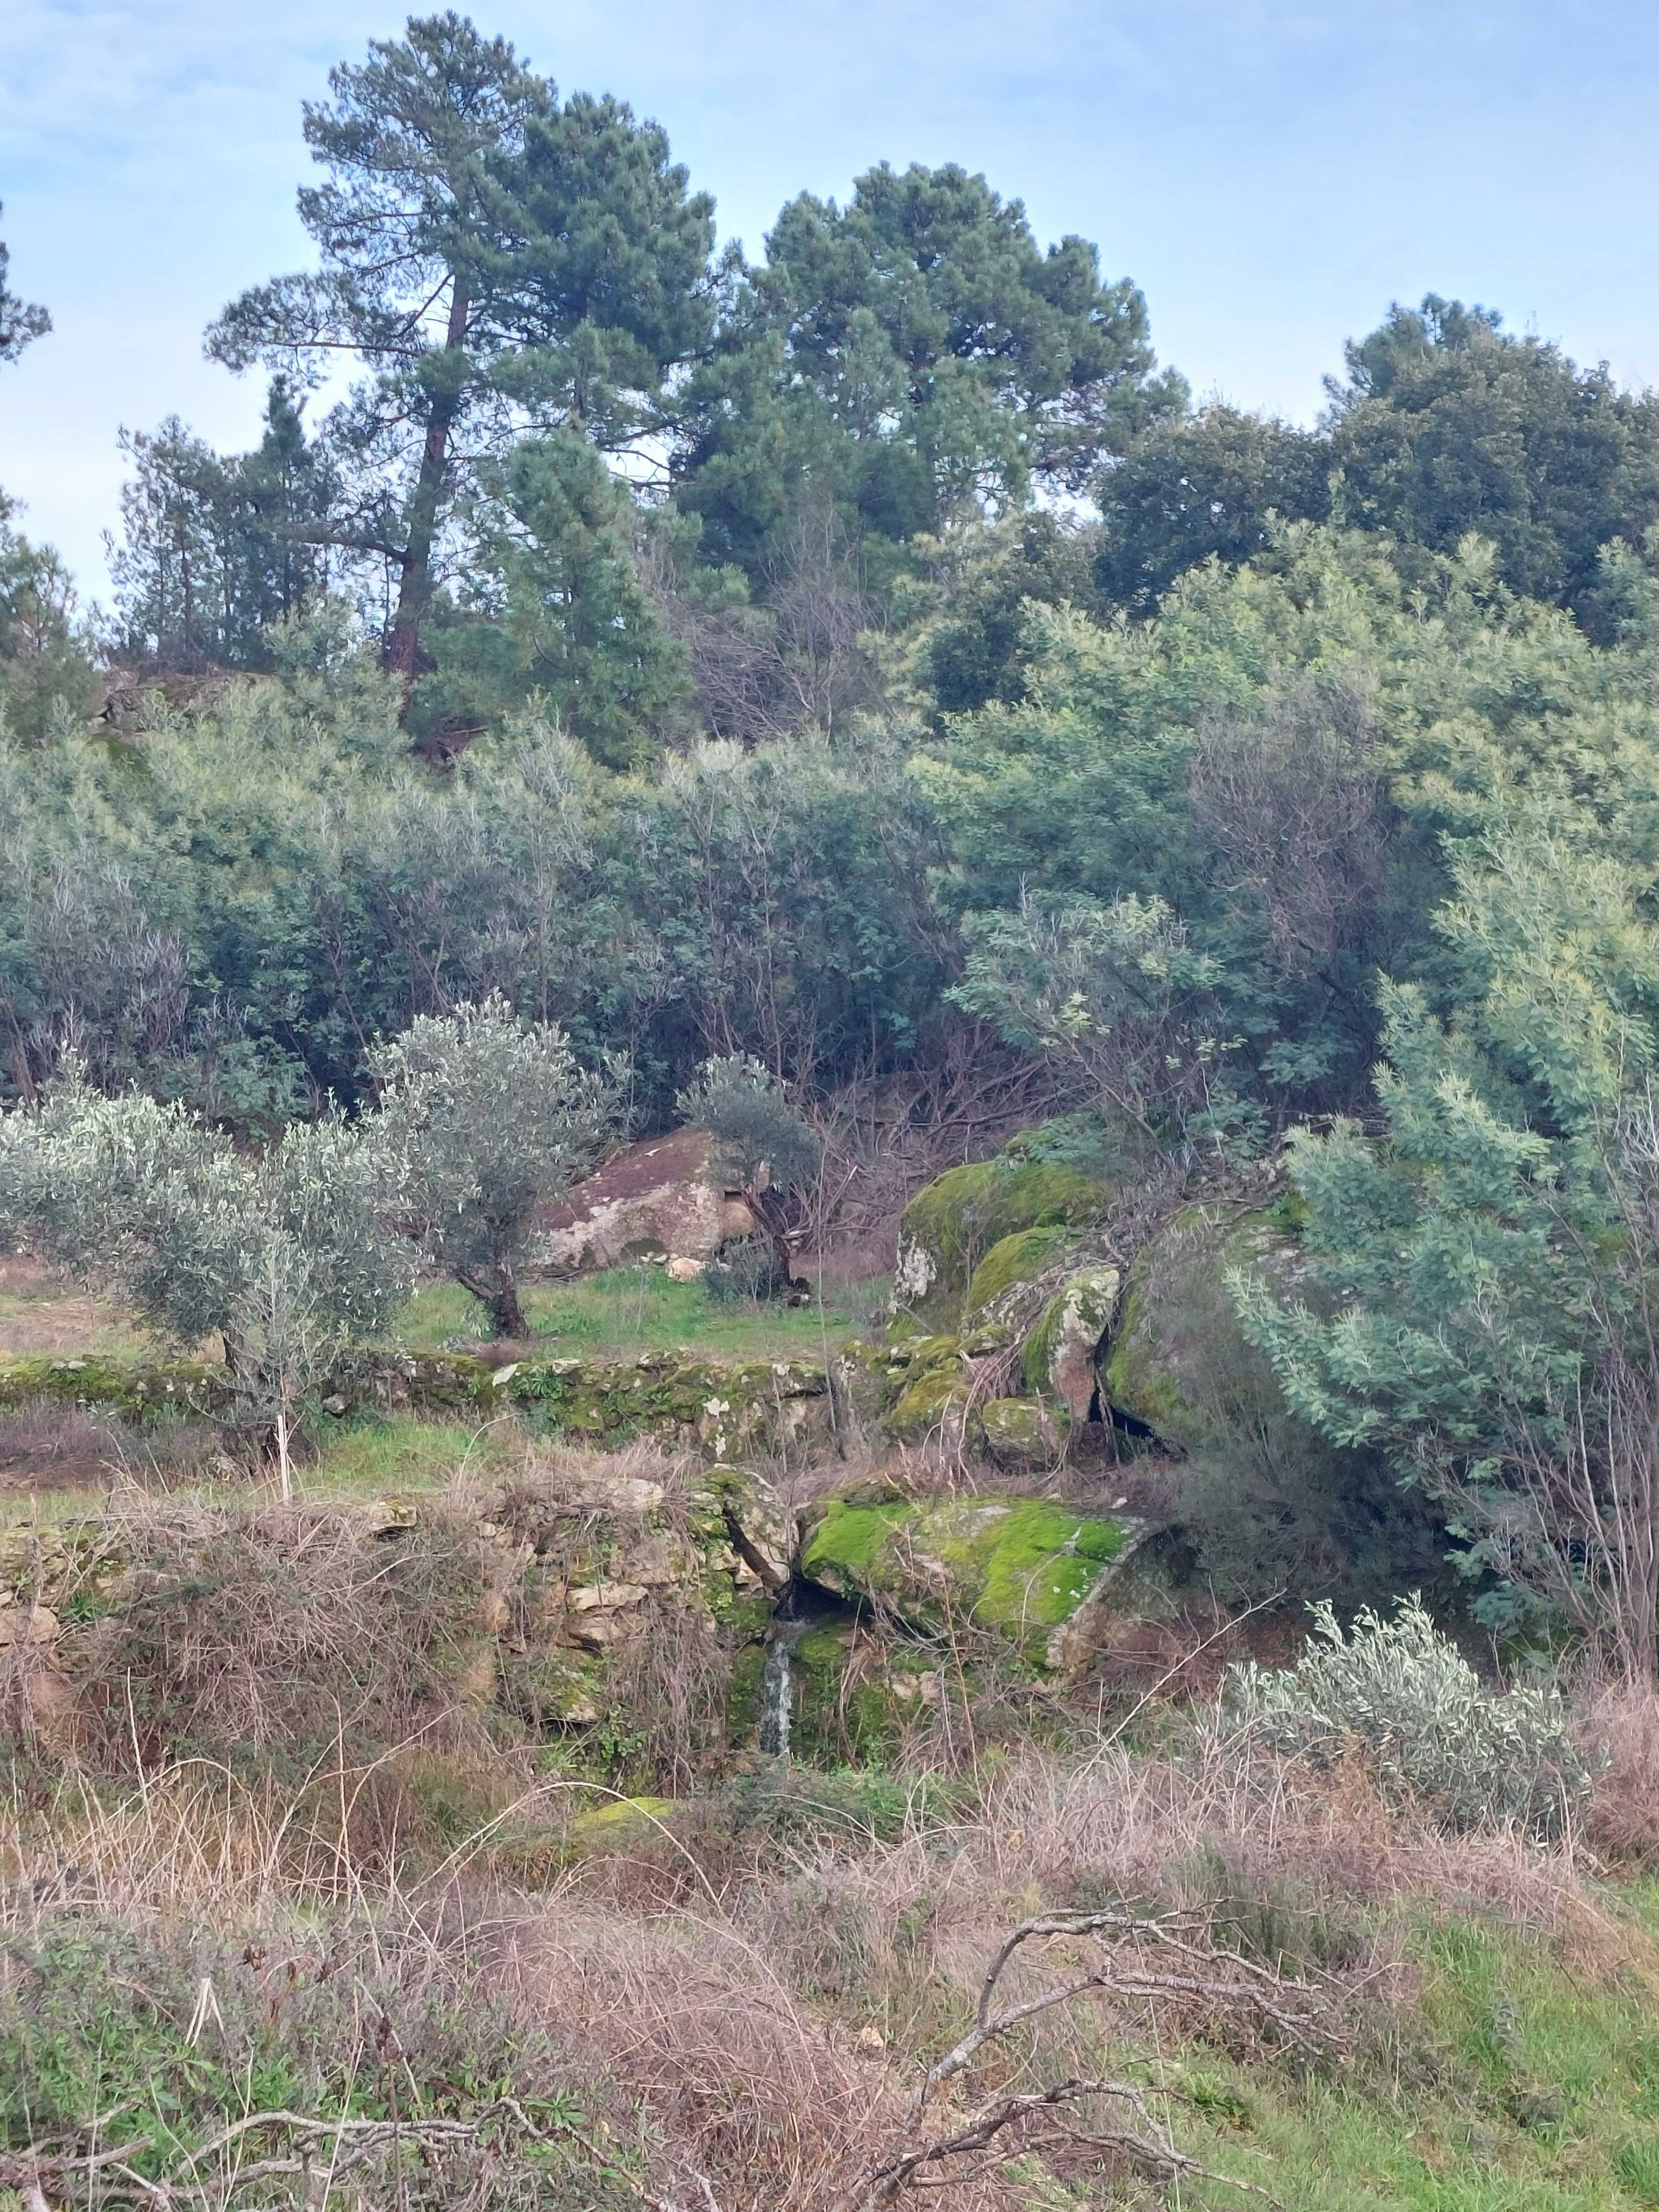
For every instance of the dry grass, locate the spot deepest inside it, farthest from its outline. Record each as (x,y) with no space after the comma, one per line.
(1622,1725)
(41,1313)
(282,1742)
(754,2022)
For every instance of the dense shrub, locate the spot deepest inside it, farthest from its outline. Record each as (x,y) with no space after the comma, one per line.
(1400,1695)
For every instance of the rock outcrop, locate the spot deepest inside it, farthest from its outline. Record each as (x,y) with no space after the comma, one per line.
(1021,1567)
(1179,1360)
(952,1227)
(1061,1354)
(650,1201)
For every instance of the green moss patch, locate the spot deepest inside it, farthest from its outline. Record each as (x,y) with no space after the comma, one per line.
(841,1550)
(1022,1565)
(951,1226)
(615,1827)
(1013,1260)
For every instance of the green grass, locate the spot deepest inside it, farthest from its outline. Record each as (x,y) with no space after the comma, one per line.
(1522,2086)
(371,1458)
(364,1458)
(633,1309)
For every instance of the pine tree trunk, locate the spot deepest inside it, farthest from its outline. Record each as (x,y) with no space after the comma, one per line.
(402,650)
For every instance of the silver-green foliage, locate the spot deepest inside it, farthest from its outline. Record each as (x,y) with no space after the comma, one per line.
(289,1255)
(486,1120)
(1399,1695)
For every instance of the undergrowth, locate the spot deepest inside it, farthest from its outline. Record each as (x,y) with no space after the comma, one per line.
(287,1870)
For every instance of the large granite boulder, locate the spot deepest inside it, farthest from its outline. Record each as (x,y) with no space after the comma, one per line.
(1060,1357)
(1049,1179)
(1179,1363)
(656,1200)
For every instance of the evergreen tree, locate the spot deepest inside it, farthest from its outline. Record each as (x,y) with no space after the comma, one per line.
(20,324)
(1448,424)
(484,252)
(553,607)
(919,354)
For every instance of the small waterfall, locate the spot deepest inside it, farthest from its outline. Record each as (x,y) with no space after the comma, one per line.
(798,1609)
(777,1692)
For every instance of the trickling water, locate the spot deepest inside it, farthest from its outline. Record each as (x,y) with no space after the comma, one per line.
(797,1608)
(777,1692)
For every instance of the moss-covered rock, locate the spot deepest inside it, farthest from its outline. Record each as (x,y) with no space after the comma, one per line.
(1059,1356)
(1011,1263)
(934,1407)
(621,1826)
(1021,1434)
(949,1228)
(857,1376)
(1021,1566)
(924,1394)
(1177,1354)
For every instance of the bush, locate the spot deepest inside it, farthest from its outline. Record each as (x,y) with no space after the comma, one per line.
(748,1270)
(1402,1696)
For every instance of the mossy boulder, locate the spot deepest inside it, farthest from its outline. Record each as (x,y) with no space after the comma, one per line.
(621,1826)
(1178,1360)
(926,1394)
(1019,1566)
(949,1228)
(1022,1435)
(1059,1356)
(1011,1264)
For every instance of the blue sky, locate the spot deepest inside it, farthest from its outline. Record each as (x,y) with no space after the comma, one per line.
(1270,175)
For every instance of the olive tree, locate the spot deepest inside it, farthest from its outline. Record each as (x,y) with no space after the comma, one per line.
(288,1256)
(486,1120)
(761,1145)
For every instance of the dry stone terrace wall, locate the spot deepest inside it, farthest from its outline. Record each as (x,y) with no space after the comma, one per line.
(674,1398)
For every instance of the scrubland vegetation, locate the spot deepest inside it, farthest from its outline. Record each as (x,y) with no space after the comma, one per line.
(1152,911)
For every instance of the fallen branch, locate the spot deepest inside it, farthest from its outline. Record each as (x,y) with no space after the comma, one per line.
(1143,1960)
(1152,2152)
(353,2140)
(1301,2012)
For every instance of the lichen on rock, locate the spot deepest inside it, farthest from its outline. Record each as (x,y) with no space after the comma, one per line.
(1059,1356)
(1022,1435)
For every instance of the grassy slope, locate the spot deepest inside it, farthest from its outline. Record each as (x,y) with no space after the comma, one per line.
(1520,2078)
(1524,2086)
(631,1309)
